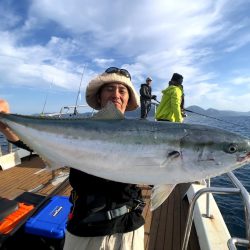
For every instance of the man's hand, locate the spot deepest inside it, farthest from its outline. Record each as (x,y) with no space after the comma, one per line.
(4,108)
(183,113)
(154,97)
(11,136)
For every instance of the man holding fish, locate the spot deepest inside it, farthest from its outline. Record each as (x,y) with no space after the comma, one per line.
(106,151)
(105,214)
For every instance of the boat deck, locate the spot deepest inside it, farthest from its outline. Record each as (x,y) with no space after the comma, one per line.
(164,228)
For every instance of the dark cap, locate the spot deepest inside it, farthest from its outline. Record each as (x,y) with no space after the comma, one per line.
(177,78)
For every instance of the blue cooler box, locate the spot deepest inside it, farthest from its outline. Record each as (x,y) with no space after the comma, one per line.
(51,220)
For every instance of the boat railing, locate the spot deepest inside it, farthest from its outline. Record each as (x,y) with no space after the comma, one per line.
(239,189)
(233,242)
(70,111)
(73,110)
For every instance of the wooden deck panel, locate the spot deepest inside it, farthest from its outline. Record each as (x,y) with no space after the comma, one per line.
(168,223)
(177,220)
(25,177)
(164,228)
(146,192)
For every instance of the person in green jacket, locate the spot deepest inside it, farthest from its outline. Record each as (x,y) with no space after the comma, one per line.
(170,108)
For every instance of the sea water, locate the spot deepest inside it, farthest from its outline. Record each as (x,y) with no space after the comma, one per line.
(230,205)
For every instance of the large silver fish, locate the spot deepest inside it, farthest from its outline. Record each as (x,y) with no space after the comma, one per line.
(133,151)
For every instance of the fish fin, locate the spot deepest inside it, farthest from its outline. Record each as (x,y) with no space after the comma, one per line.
(172,155)
(159,194)
(109,112)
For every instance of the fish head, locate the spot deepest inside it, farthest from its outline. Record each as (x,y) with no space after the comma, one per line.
(212,152)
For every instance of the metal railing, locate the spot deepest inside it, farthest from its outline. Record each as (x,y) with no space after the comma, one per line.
(233,242)
(68,110)
(239,189)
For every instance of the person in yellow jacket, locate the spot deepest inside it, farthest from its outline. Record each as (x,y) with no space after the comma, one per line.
(169,108)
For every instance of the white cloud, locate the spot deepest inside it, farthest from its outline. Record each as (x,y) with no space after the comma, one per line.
(241,81)
(103,62)
(212,95)
(156,38)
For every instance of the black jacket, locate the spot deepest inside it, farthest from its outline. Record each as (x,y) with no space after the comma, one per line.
(145,92)
(93,194)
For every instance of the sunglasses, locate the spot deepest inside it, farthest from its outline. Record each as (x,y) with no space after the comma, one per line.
(116,70)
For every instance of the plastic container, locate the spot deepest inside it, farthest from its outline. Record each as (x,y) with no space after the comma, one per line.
(51,220)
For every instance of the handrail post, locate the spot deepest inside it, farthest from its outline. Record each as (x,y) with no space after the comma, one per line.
(208,215)
(10,147)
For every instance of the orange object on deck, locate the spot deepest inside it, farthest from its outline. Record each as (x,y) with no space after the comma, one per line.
(9,222)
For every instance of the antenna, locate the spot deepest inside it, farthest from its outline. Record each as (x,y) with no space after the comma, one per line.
(79,91)
(45,102)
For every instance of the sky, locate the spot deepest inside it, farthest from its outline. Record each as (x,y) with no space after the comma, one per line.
(50,49)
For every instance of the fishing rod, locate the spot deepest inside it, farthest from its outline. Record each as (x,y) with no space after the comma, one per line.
(79,91)
(46,98)
(211,117)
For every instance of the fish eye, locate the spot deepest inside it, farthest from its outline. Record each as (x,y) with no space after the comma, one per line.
(232,148)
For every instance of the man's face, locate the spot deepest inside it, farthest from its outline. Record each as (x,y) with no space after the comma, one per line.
(116,93)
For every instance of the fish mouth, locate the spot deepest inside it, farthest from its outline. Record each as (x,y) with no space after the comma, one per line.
(246,157)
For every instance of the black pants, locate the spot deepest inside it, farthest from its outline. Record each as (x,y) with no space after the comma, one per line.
(145,108)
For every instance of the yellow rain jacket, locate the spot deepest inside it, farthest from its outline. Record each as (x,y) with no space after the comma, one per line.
(170,105)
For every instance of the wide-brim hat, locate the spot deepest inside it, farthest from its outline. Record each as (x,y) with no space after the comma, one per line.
(104,78)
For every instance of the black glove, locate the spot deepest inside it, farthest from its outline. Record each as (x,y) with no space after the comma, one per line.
(154,97)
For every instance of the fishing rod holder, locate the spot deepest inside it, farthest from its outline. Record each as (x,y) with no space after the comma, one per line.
(239,189)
